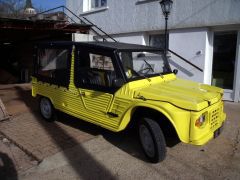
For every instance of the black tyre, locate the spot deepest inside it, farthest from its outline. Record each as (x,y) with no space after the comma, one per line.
(46,109)
(152,140)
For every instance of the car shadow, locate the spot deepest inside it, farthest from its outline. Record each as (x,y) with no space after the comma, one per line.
(126,140)
(92,169)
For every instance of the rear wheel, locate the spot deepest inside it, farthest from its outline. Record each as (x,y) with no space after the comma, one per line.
(152,140)
(46,109)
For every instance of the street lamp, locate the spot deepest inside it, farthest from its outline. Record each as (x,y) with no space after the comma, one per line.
(166,6)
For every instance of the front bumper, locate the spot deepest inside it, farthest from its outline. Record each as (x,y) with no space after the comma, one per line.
(213,126)
(208,136)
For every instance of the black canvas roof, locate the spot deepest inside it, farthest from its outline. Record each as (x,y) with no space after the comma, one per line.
(121,46)
(107,45)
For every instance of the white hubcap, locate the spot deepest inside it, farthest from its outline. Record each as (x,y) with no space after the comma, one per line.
(46,108)
(146,140)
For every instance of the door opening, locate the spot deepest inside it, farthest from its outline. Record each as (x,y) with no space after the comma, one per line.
(224,55)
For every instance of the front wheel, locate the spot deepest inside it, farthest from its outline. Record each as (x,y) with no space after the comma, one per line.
(152,140)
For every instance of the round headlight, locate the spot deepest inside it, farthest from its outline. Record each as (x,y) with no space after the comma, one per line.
(200,121)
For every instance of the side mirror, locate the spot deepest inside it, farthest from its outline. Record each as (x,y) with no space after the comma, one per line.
(118,82)
(175,71)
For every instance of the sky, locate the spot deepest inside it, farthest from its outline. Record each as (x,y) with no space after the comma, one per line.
(47,4)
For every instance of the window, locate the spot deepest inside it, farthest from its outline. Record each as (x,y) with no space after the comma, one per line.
(98,3)
(157,40)
(101,62)
(144,64)
(53,65)
(94,70)
(89,5)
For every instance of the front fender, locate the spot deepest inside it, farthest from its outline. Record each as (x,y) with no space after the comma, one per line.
(179,118)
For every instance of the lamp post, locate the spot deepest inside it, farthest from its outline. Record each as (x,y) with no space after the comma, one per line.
(166,6)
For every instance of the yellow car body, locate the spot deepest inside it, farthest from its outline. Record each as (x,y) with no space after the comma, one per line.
(182,102)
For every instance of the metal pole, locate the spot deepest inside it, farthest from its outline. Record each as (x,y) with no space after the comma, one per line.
(166,33)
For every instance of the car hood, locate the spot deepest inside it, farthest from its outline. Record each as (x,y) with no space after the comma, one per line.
(181,93)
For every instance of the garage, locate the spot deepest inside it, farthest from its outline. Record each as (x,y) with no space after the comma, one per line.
(17,39)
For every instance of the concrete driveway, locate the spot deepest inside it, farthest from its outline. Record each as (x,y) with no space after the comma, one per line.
(118,156)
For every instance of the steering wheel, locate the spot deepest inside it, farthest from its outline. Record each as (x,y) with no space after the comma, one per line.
(147,68)
(133,72)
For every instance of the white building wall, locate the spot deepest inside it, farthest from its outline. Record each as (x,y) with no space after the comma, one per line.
(208,62)
(132,38)
(128,16)
(192,45)
(191,25)
(78,37)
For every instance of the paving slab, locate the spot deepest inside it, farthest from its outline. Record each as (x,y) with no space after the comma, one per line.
(27,129)
(3,113)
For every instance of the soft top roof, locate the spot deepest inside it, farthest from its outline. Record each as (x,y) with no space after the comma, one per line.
(104,45)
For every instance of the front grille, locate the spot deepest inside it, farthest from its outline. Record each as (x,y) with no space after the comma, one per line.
(214,118)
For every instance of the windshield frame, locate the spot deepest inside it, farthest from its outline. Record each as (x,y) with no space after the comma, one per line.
(165,59)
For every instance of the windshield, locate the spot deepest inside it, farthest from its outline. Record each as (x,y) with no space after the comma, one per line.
(144,64)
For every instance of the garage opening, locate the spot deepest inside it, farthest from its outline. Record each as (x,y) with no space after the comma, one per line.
(17,40)
(224,59)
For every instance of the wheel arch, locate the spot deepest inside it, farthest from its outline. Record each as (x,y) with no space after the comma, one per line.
(131,117)
(39,96)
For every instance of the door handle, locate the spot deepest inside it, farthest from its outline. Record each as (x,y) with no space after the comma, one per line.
(82,93)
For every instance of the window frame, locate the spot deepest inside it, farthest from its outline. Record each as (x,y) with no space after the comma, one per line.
(150,36)
(87,6)
(100,6)
(50,80)
(139,77)
(80,50)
